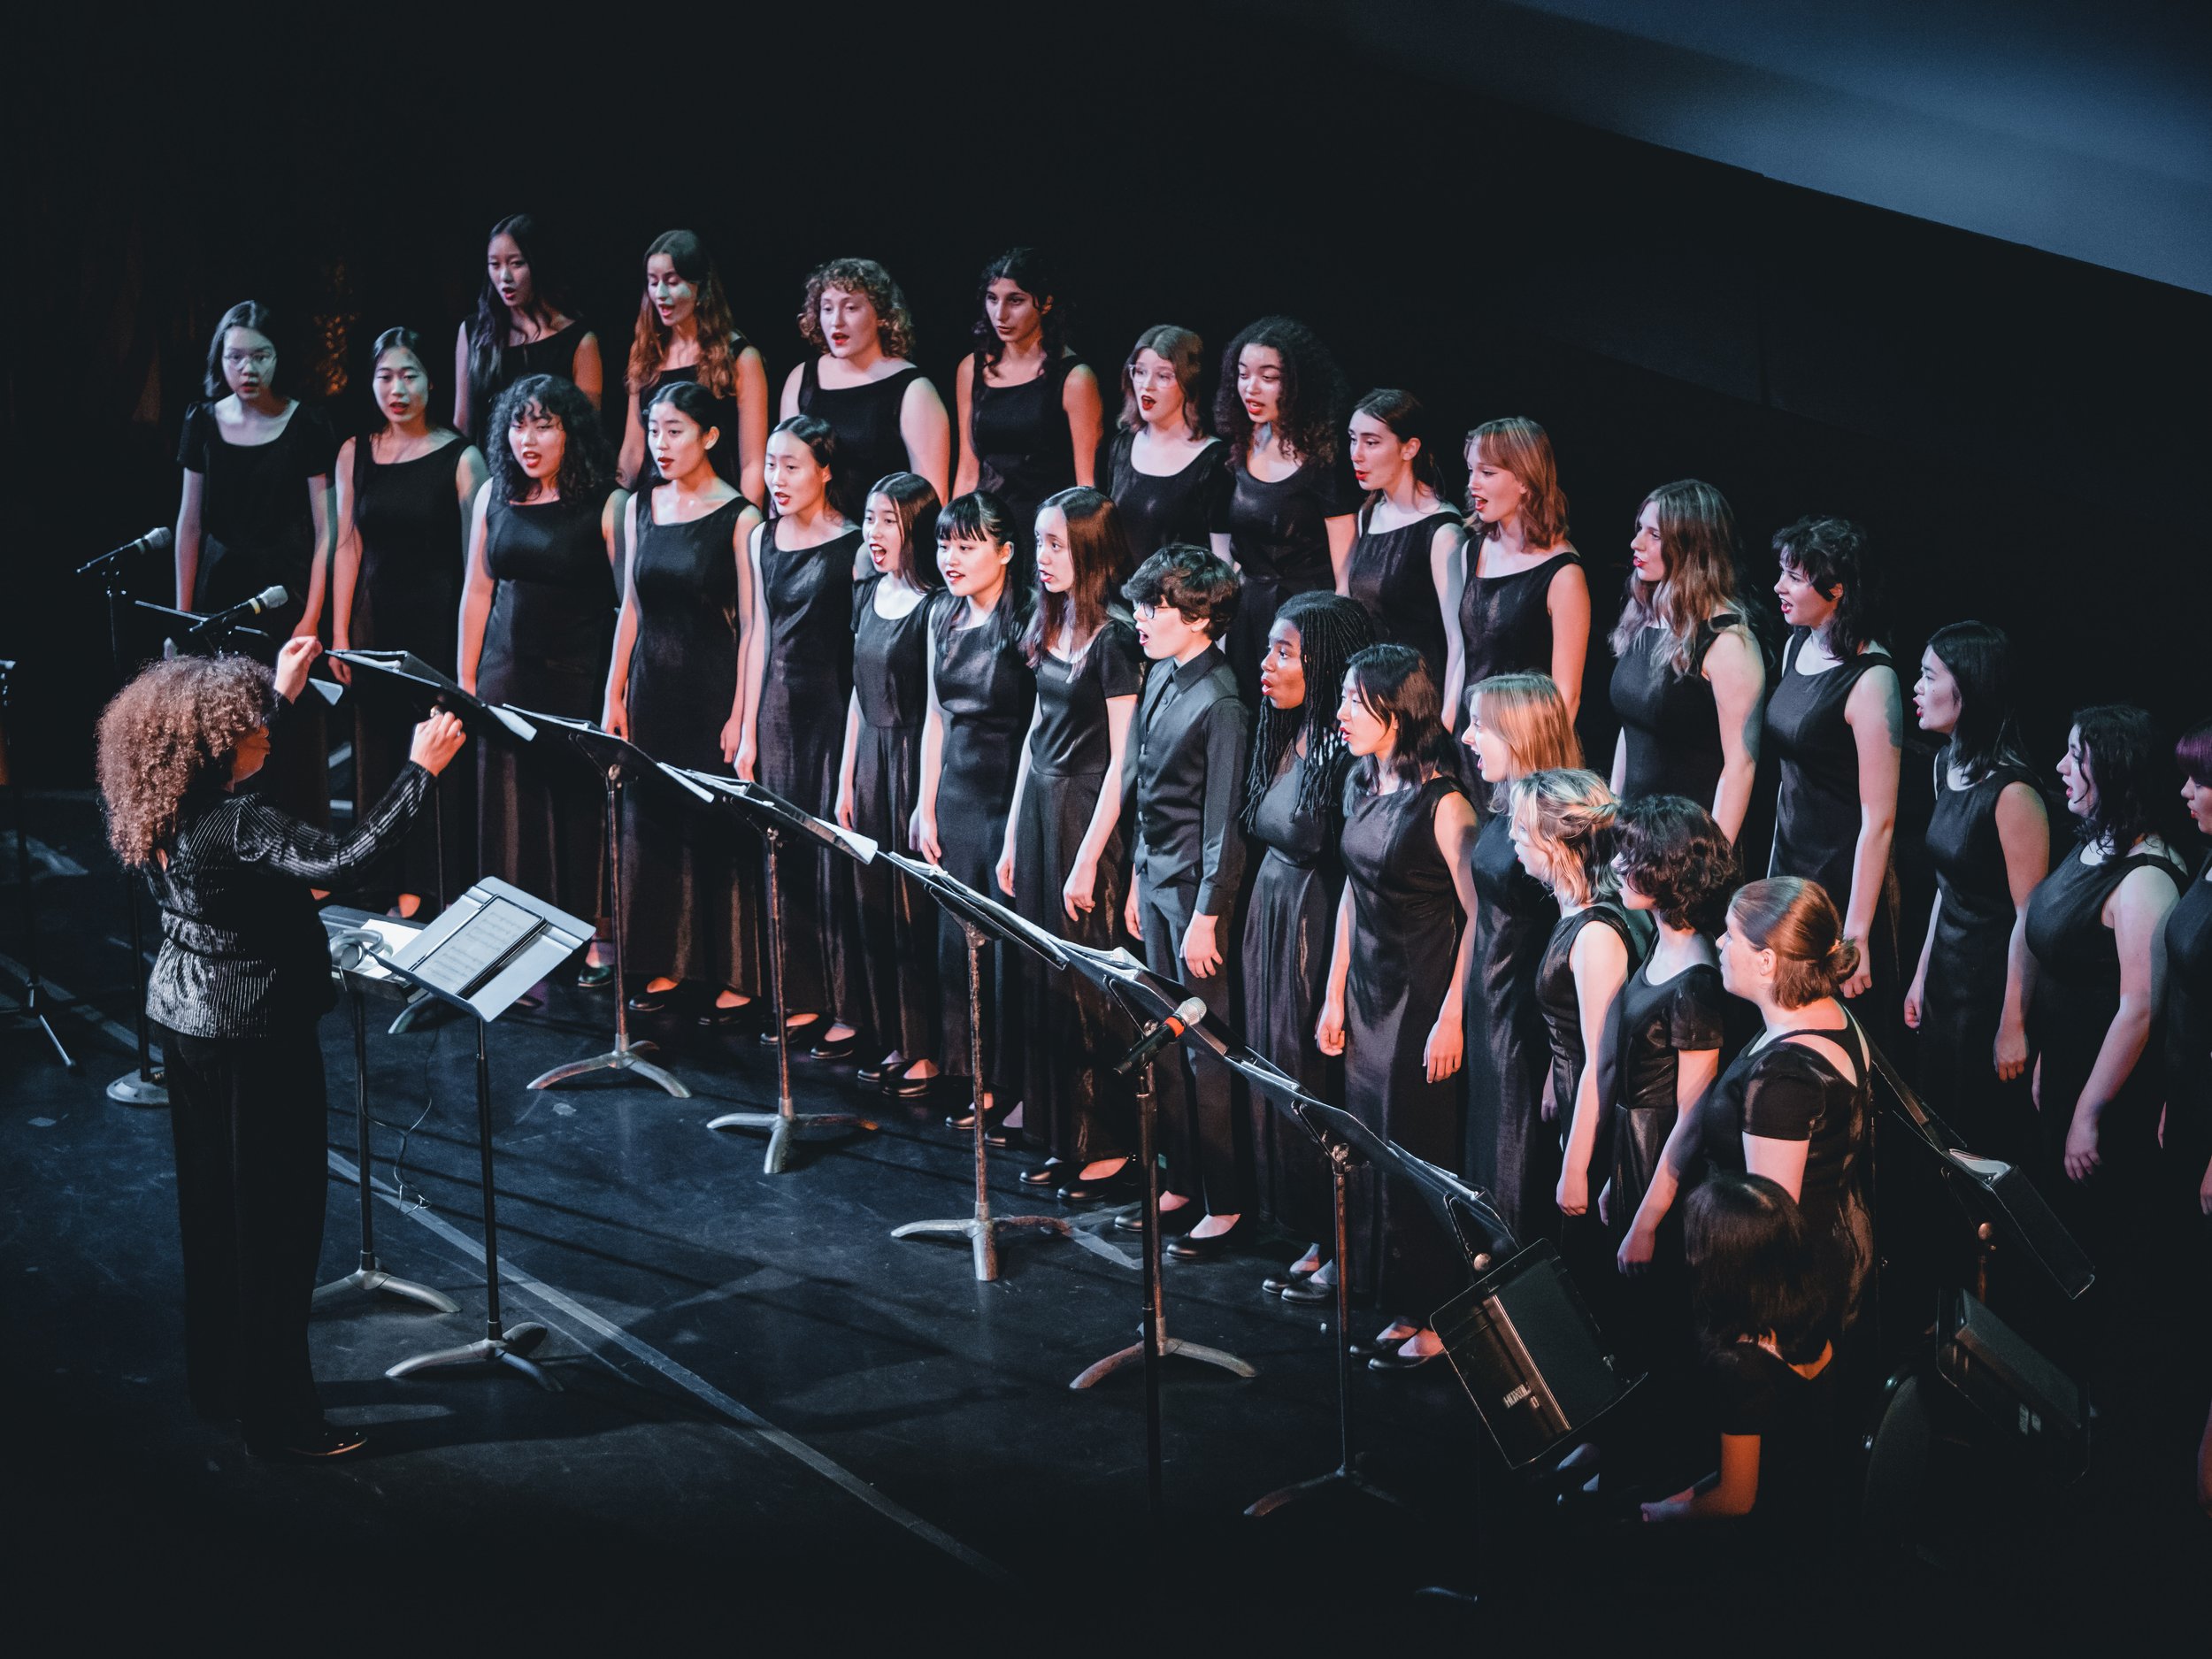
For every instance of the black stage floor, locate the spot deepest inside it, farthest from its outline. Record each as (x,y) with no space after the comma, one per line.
(773,1415)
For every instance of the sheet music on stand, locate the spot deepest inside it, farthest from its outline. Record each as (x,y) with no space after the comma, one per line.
(706,785)
(407,666)
(489,946)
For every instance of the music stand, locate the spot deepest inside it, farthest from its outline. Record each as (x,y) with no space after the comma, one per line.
(619,763)
(357,941)
(36,1004)
(491,945)
(981,920)
(206,636)
(777,820)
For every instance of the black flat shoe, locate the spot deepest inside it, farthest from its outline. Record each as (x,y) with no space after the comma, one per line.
(649,1002)
(1311,1287)
(1275,1283)
(715,1017)
(905,1085)
(1190,1248)
(319,1443)
(1172,1222)
(1117,1188)
(1396,1361)
(878,1073)
(594,976)
(836,1048)
(1045,1174)
(799,1032)
(995,1133)
(1367,1348)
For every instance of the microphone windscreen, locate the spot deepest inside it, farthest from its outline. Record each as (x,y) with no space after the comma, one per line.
(272,597)
(1193,1010)
(161,540)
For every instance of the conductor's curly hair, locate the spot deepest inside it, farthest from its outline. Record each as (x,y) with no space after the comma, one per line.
(171,732)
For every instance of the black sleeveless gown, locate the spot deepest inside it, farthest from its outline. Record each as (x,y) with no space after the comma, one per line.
(1279,533)
(1188,507)
(1070,1035)
(1289,931)
(1668,721)
(1511,1152)
(1389,574)
(728,455)
(541,814)
(1505,621)
(407,597)
(1817,812)
(556,354)
(806,604)
(689,887)
(1023,447)
(1404,942)
(896,984)
(865,419)
(1966,969)
(987,693)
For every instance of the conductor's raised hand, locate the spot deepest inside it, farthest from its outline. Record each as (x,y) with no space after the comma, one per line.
(297,655)
(437,741)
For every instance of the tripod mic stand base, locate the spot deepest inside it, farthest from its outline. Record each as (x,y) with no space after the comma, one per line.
(785,1128)
(372,1280)
(983,1235)
(1346,1479)
(1172,1348)
(510,1348)
(625,1059)
(131,1089)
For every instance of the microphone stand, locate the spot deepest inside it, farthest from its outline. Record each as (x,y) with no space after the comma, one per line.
(981,920)
(145,1084)
(36,1004)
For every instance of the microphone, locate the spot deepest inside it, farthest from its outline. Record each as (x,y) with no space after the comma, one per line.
(1166,1030)
(268,599)
(157,539)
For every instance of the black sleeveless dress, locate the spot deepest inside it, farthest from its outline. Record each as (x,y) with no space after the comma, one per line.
(728,455)
(690,888)
(1668,721)
(541,813)
(1189,507)
(2076,996)
(1070,1037)
(1511,1152)
(1404,943)
(1505,621)
(1279,533)
(1966,969)
(1787,1091)
(1389,574)
(2188,1067)
(896,985)
(1289,931)
(806,605)
(1023,447)
(556,354)
(407,597)
(865,419)
(258,528)
(987,693)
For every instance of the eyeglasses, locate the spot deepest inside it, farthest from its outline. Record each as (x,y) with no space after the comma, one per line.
(260,360)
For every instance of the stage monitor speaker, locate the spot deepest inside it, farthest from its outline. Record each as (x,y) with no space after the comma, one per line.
(1530,1355)
(2032,1404)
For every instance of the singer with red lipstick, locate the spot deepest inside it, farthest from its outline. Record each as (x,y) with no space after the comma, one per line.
(886,415)
(684,332)
(537,617)
(1405,563)
(1169,479)
(522,327)
(403,496)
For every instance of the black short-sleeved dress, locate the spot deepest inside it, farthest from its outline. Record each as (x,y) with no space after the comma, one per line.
(1668,719)
(1289,929)
(257,529)
(1511,1152)
(555,354)
(1505,621)
(1389,572)
(1965,996)
(1817,810)
(1790,1091)
(806,598)
(1279,531)
(2076,993)
(542,815)
(865,419)
(1654,1024)
(1189,507)
(1069,1033)
(690,888)
(1404,942)
(1749,1390)
(1019,435)
(987,692)
(896,984)
(407,597)
(728,455)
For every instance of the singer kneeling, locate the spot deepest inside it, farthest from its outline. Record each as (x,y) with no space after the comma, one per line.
(241,981)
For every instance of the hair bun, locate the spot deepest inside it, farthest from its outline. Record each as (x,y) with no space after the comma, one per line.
(1843,959)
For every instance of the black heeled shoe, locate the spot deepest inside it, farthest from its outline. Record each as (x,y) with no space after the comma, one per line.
(1198,1247)
(1117,1188)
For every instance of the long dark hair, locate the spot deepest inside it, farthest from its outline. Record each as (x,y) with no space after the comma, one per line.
(1099,547)
(1979,659)
(405,339)
(1331,631)
(1394,683)
(719,340)
(2127,763)
(1751,1268)
(820,439)
(488,330)
(1031,273)
(1312,398)
(914,498)
(980,516)
(692,401)
(1407,419)
(586,471)
(1832,554)
(246,314)
(1697,535)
